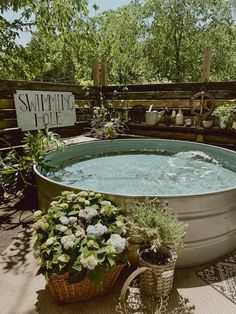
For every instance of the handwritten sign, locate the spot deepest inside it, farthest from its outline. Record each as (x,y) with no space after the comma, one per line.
(41,109)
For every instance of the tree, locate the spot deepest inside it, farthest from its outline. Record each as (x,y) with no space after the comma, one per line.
(53,18)
(120,41)
(178,30)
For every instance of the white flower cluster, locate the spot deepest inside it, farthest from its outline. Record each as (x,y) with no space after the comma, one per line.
(117,242)
(41,224)
(66,221)
(37,213)
(96,230)
(50,241)
(64,258)
(89,262)
(88,213)
(68,241)
(121,225)
(80,233)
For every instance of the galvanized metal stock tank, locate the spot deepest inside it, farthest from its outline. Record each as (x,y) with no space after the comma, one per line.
(211,217)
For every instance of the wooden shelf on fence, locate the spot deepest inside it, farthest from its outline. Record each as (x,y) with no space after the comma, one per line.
(213,135)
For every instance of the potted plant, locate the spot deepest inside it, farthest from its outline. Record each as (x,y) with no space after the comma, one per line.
(151,221)
(226,114)
(79,245)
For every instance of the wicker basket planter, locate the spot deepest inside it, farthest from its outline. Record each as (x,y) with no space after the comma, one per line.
(64,292)
(158,280)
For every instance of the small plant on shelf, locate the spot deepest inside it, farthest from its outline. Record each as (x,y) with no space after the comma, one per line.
(81,237)
(226,114)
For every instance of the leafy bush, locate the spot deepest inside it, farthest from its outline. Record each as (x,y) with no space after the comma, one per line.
(82,234)
(152,222)
(226,112)
(16,170)
(104,126)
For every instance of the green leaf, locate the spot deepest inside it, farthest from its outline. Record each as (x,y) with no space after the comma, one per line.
(97,275)
(75,277)
(111,261)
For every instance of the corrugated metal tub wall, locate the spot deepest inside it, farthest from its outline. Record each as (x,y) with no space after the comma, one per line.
(211,217)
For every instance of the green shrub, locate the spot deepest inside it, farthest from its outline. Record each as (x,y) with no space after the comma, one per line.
(151,221)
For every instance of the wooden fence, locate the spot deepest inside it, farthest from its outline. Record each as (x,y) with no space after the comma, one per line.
(123,98)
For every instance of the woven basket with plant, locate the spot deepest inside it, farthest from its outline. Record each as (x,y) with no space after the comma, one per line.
(79,245)
(152,222)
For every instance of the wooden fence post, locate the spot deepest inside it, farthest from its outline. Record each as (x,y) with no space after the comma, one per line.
(206,64)
(103,72)
(96,72)
(99,72)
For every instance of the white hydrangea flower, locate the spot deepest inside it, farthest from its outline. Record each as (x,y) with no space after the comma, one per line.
(80,232)
(68,244)
(82,200)
(50,241)
(64,258)
(90,243)
(63,228)
(36,226)
(45,226)
(96,230)
(110,249)
(87,203)
(54,203)
(64,205)
(37,213)
(83,194)
(67,238)
(72,220)
(98,195)
(121,225)
(89,262)
(91,194)
(64,193)
(104,203)
(88,213)
(118,242)
(64,220)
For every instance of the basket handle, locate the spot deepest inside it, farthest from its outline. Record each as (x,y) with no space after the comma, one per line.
(128,281)
(138,271)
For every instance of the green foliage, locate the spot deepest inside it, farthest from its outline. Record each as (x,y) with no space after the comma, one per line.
(16,171)
(103,126)
(144,42)
(152,222)
(39,144)
(82,234)
(52,18)
(226,113)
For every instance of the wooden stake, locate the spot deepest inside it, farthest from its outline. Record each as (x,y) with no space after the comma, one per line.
(103,72)
(96,73)
(206,64)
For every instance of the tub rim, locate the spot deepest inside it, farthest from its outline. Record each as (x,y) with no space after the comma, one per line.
(175,196)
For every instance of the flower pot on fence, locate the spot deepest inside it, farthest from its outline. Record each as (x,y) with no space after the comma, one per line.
(65,292)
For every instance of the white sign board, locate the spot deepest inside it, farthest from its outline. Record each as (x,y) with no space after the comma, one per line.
(41,109)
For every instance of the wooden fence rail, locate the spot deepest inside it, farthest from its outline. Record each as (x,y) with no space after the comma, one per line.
(173,95)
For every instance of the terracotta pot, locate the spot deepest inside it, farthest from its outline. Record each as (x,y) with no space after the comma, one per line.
(132,251)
